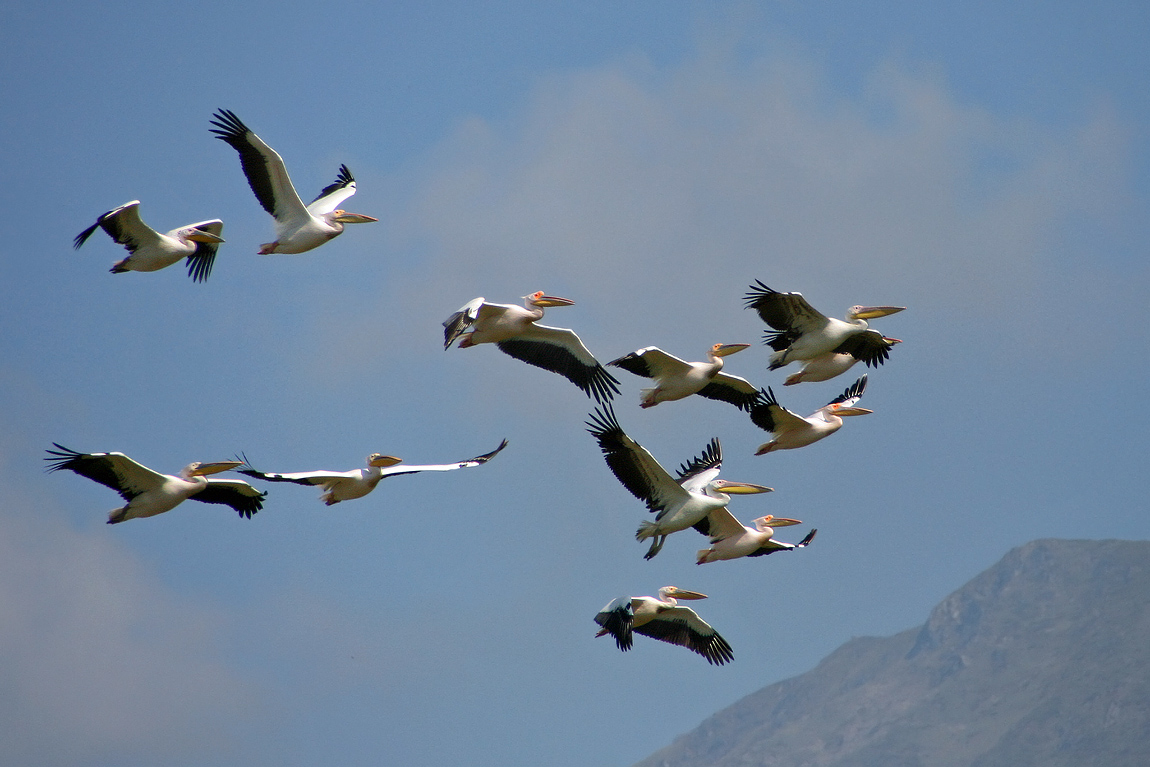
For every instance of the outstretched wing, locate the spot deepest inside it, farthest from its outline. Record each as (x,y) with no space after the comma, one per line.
(265,170)
(236,493)
(334,193)
(114,470)
(479,460)
(560,351)
(632,465)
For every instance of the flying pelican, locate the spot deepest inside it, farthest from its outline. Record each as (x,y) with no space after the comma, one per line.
(826,366)
(346,485)
(679,503)
(298,228)
(676,378)
(149,250)
(662,618)
(804,333)
(791,430)
(149,493)
(515,331)
(731,539)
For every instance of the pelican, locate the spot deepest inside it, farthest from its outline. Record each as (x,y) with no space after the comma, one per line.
(664,619)
(731,539)
(826,366)
(346,485)
(679,503)
(676,379)
(804,333)
(149,493)
(298,228)
(791,430)
(515,330)
(150,251)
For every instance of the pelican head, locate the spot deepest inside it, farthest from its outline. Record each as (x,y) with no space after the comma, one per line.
(381,461)
(199,469)
(671,593)
(722,350)
(728,487)
(542,300)
(870,312)
(199,235)
(343,217)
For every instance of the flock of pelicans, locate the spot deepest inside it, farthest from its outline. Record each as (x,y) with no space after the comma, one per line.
(694,498)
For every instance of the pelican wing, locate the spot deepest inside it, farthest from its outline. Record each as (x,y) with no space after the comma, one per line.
(616,619)
(265,170)
(784,311)
(632,465)
(560,351)
(652,362)
(458,323)
(694,475)
(769,415)
(334,193)
(321,477)
(241,496)
(771,546)
(733,389)
(869,346)
(200,263)
(852,394)
(682,626)
(479,460)
(114,470)
(124,226)
(719,523)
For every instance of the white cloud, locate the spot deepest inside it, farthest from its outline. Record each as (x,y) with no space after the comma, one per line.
(97,661)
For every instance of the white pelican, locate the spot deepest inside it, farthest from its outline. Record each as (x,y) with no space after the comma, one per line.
(149,493)
(826,366)
(149,250)
(298,228)
(731,539)
(346,485)
(791,430)
(678,503)
(515,330)
(664,619)
(804,333)
(676,378)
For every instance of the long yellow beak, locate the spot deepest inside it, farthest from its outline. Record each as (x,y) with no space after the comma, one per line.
(208,237)
(722,350)
(681,594)
(870,312)
(384,461)
(741,488)
(354,218)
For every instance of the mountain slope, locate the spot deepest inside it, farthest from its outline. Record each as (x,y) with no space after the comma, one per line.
(1044,659)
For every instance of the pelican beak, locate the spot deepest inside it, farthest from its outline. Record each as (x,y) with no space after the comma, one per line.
(870,312)
(780,521)
(682,594)
(852,411)
(385,460)
(208,237)
(740,488)
(353,218)
(722,350)
(205,469)
(547,301)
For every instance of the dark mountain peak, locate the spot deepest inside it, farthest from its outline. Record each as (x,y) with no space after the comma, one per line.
(1043,659)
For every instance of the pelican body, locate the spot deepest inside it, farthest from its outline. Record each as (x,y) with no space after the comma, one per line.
(827,366)
(792,431)
(347,485)
(676,378)
(664,619)
(730,539)
(515,330)
(149,493)
(804,333)
(299,228)
(678,503)
(150,251)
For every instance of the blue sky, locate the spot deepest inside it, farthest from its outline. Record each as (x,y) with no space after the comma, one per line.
(983,164)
